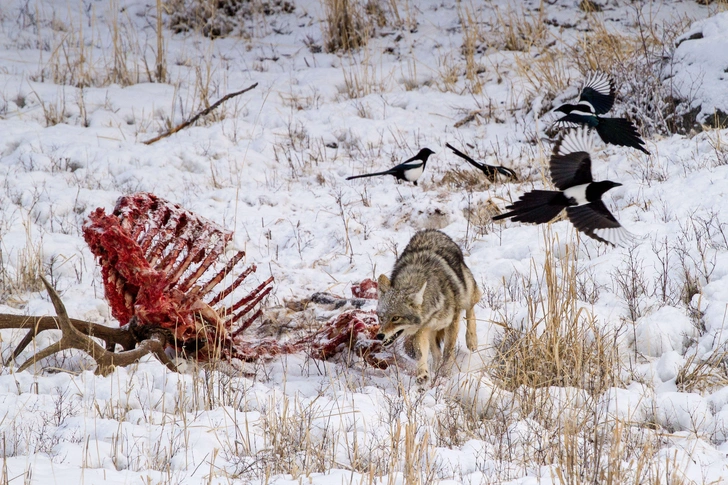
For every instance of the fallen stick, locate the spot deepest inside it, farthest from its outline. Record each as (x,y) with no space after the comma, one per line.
(205,111)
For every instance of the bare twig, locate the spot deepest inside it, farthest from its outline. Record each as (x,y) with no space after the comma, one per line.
(204,112)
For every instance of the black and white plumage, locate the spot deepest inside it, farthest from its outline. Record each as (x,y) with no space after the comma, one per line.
(597,98)
(489,170)
(410,170)
(578,193)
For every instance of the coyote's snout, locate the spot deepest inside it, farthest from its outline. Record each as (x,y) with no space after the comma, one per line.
(429,288)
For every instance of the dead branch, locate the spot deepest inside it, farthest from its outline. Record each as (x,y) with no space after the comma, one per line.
(199,114)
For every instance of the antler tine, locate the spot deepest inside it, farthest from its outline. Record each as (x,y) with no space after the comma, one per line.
(218,277)
(72,337)
(37,325)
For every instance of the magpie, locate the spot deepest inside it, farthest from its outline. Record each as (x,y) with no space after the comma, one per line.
(596,98)
(488,170)
(579,194)
(409,170)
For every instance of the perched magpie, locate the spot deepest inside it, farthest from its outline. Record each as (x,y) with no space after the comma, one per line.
(570,168)
(409,170)
(488,170)
(597,97)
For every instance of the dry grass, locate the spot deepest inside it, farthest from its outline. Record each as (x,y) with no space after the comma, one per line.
(560,344)
(635,61)
(78,59)
(362,77)
(520,30)
(701,375)
(346,26)
(547,76)
(349,24)
(28,264)
(471,39)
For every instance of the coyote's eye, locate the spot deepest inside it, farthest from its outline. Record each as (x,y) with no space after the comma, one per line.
(396,319)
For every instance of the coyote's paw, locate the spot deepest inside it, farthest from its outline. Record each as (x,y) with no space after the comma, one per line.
(471,340)
(422,378)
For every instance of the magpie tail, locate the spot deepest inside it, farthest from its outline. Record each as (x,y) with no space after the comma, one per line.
(462,155)
(375,174)
(620,131)
(536,206)
(488,170)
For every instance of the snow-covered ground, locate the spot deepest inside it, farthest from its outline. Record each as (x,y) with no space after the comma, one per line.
(271,165)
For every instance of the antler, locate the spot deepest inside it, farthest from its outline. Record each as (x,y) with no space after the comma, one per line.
(158,269)
(76,334)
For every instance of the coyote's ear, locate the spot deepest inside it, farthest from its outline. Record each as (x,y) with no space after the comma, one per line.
(383,284)
(419,297)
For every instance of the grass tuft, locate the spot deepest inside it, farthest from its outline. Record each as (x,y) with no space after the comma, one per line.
(560,343)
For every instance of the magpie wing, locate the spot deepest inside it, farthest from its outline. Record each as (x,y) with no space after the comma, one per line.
(620,131)
(599,92)
(570,170)
(408,165)
(595,220)
(563,122)
(570,163)
(575,119)
(536,206)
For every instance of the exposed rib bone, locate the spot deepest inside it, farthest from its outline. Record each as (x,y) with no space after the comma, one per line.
(221,275)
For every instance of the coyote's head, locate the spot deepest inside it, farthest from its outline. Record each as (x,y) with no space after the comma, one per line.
(399,310)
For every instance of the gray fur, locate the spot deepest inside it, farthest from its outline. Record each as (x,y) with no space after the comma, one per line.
(429,288)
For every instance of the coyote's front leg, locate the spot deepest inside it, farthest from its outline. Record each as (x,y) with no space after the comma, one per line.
(422,346)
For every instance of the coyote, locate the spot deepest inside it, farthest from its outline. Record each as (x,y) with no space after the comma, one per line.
(429,288)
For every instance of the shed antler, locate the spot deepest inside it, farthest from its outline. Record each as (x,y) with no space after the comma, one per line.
(157,263)
(76,334)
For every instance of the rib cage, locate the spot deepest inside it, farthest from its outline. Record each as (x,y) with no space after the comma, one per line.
(157,261)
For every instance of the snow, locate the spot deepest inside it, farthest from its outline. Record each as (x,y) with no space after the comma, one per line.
(271,166)
(701,60)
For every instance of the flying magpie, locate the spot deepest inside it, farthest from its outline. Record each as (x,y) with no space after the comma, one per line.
(409,170)
(596,98)
(570,168)
(488,170)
